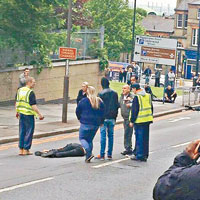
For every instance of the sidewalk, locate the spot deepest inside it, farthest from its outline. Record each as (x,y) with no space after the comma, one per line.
(52,124)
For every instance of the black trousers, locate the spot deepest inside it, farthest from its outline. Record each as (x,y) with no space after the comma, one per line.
(172,98)
(70,150)
(157,82)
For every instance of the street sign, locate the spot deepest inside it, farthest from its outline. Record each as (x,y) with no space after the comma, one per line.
(155,50)
(67,53)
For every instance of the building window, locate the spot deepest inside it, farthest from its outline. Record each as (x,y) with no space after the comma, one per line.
(194,37)
(186,21)
(198,14)
(179,21)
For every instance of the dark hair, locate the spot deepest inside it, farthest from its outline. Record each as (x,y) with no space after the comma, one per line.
(105,83)
(136,86)
(26,69)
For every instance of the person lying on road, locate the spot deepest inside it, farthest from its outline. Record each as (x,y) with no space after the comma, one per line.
(70,150)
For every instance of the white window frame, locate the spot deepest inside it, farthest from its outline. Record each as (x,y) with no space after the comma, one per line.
(195,37)
(198,13)
(185,20)
(180,20)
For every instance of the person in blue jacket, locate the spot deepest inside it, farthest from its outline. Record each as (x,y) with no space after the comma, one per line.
(90,113)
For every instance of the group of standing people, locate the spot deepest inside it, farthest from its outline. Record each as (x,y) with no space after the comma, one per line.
(101,111)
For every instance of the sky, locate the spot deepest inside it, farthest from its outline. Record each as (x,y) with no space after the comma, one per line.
(166,4)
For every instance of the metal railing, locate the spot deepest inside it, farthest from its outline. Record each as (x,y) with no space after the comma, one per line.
(190,96)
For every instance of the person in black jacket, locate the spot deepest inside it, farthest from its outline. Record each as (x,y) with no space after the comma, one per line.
(110,100)
(182,180)
(70,150)
(83,92)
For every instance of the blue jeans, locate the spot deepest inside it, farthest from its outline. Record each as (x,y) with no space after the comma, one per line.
(107,128)
(86,136)
(147,79)
(142,141)
(26,130)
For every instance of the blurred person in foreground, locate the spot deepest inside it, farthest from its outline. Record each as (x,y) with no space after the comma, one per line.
(90,113)
(182,180)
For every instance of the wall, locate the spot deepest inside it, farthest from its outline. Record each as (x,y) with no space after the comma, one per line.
(49,83)
(158,34)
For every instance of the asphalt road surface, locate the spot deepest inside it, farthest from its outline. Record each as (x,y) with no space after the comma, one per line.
(36,178)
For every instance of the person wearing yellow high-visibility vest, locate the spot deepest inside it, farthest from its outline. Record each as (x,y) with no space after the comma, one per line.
(140,117)
(26,111)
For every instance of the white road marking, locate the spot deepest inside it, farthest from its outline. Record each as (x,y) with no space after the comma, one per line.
(25,184)
(180,145)
(179,119)
(194,124)
(110,163)
(113,162)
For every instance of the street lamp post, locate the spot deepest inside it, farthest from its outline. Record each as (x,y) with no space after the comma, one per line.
(198,55)
(133,32)
(66,77)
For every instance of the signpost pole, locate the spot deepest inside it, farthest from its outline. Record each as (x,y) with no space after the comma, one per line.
(66,78)
(133,32)
(65,92)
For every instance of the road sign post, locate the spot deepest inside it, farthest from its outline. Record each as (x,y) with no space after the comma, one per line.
(69,54)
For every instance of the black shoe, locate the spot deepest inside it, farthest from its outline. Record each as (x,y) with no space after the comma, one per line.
(87,160)
(50,153)
(38,153)
(126,152)
(137,159)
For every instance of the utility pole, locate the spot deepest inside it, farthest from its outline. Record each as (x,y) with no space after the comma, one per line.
(133,32)
(198,51)
(66,77)
(198,55)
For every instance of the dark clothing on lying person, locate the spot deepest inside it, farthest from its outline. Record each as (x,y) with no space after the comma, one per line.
(161,100)
(180,182)
(149,91)
(193,108)
(70,150)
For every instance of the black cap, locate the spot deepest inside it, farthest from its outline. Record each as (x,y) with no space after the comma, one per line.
(136,86)
(105,82)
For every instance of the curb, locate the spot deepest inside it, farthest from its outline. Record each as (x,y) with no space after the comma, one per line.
(76,128)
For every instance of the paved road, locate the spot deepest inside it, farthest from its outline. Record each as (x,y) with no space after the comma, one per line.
(37,178)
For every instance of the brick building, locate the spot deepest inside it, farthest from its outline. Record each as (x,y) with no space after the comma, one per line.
(187,16)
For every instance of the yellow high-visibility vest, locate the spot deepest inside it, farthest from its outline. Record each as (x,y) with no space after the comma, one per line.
(22,102)
(145,113)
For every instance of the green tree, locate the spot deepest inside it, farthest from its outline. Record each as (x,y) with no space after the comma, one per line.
(116,17)
(28,24)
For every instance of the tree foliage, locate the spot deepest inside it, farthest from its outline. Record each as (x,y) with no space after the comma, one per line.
(29,24)
(116,17)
